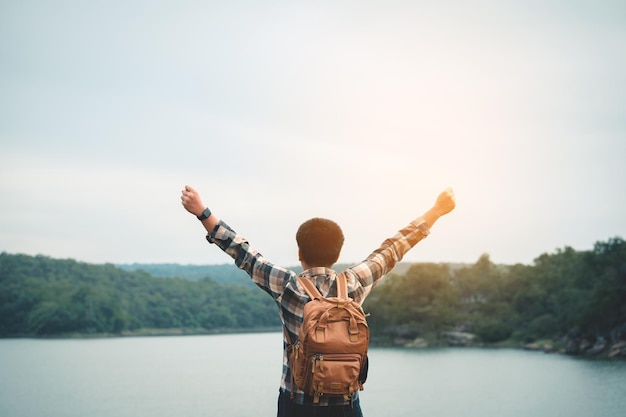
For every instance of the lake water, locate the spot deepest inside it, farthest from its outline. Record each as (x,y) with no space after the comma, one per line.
(238,376)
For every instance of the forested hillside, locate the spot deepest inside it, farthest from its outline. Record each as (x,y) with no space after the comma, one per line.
(576,299)
(45,296)
(223,274)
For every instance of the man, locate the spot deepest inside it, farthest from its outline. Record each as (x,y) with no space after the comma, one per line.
(319,244)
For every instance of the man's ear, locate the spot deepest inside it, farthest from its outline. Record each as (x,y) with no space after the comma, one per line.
(299,256)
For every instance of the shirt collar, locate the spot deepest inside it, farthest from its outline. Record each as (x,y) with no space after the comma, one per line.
(317,271)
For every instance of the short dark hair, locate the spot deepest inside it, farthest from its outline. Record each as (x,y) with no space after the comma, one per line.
(320,242)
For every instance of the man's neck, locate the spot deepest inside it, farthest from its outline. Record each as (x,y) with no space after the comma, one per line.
(306,266)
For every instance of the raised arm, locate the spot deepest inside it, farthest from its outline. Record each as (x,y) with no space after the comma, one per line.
(269,277)
(445,204)
(193,204)
(393,249)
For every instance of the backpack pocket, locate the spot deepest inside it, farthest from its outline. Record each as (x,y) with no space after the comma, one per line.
(335,374)
(300,366)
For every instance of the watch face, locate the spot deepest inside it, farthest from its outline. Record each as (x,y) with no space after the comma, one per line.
(205,214)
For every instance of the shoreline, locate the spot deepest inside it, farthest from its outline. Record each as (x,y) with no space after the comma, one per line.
(149,333)
(607,351)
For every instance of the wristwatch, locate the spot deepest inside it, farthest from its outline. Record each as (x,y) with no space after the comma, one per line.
(205,214)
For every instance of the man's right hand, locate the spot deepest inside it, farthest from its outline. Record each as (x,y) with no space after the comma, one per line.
(445,202)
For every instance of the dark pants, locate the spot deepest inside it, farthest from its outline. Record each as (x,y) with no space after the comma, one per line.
(288,408)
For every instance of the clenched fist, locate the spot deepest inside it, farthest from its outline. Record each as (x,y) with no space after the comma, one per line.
(191,201)
(445,202)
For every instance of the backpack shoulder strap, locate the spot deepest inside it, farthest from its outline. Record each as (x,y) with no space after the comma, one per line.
(342,286)
(310,288)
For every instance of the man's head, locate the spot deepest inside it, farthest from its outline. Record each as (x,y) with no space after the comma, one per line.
(319,241)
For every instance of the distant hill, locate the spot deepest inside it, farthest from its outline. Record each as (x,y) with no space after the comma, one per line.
(568,300)
(223,273)
(42,296)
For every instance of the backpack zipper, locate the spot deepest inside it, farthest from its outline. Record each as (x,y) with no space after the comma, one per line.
(315,360)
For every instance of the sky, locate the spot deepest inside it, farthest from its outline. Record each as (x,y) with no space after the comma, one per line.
(279,111)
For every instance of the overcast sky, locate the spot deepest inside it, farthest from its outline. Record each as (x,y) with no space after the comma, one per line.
(279,111)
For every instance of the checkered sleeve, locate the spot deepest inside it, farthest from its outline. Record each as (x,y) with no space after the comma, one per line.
(269,277)
(383,259)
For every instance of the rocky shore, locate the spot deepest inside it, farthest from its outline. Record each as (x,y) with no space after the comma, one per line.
(584,348)
(567,345)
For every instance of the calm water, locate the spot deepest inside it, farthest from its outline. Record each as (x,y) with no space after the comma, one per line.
(238,376)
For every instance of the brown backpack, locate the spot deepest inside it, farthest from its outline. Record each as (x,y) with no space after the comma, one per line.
(330,355)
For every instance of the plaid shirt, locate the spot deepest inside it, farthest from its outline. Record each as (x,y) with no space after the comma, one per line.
(290,296)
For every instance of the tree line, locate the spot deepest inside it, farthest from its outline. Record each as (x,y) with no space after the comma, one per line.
(41,296)
(569,293)
(576,295)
